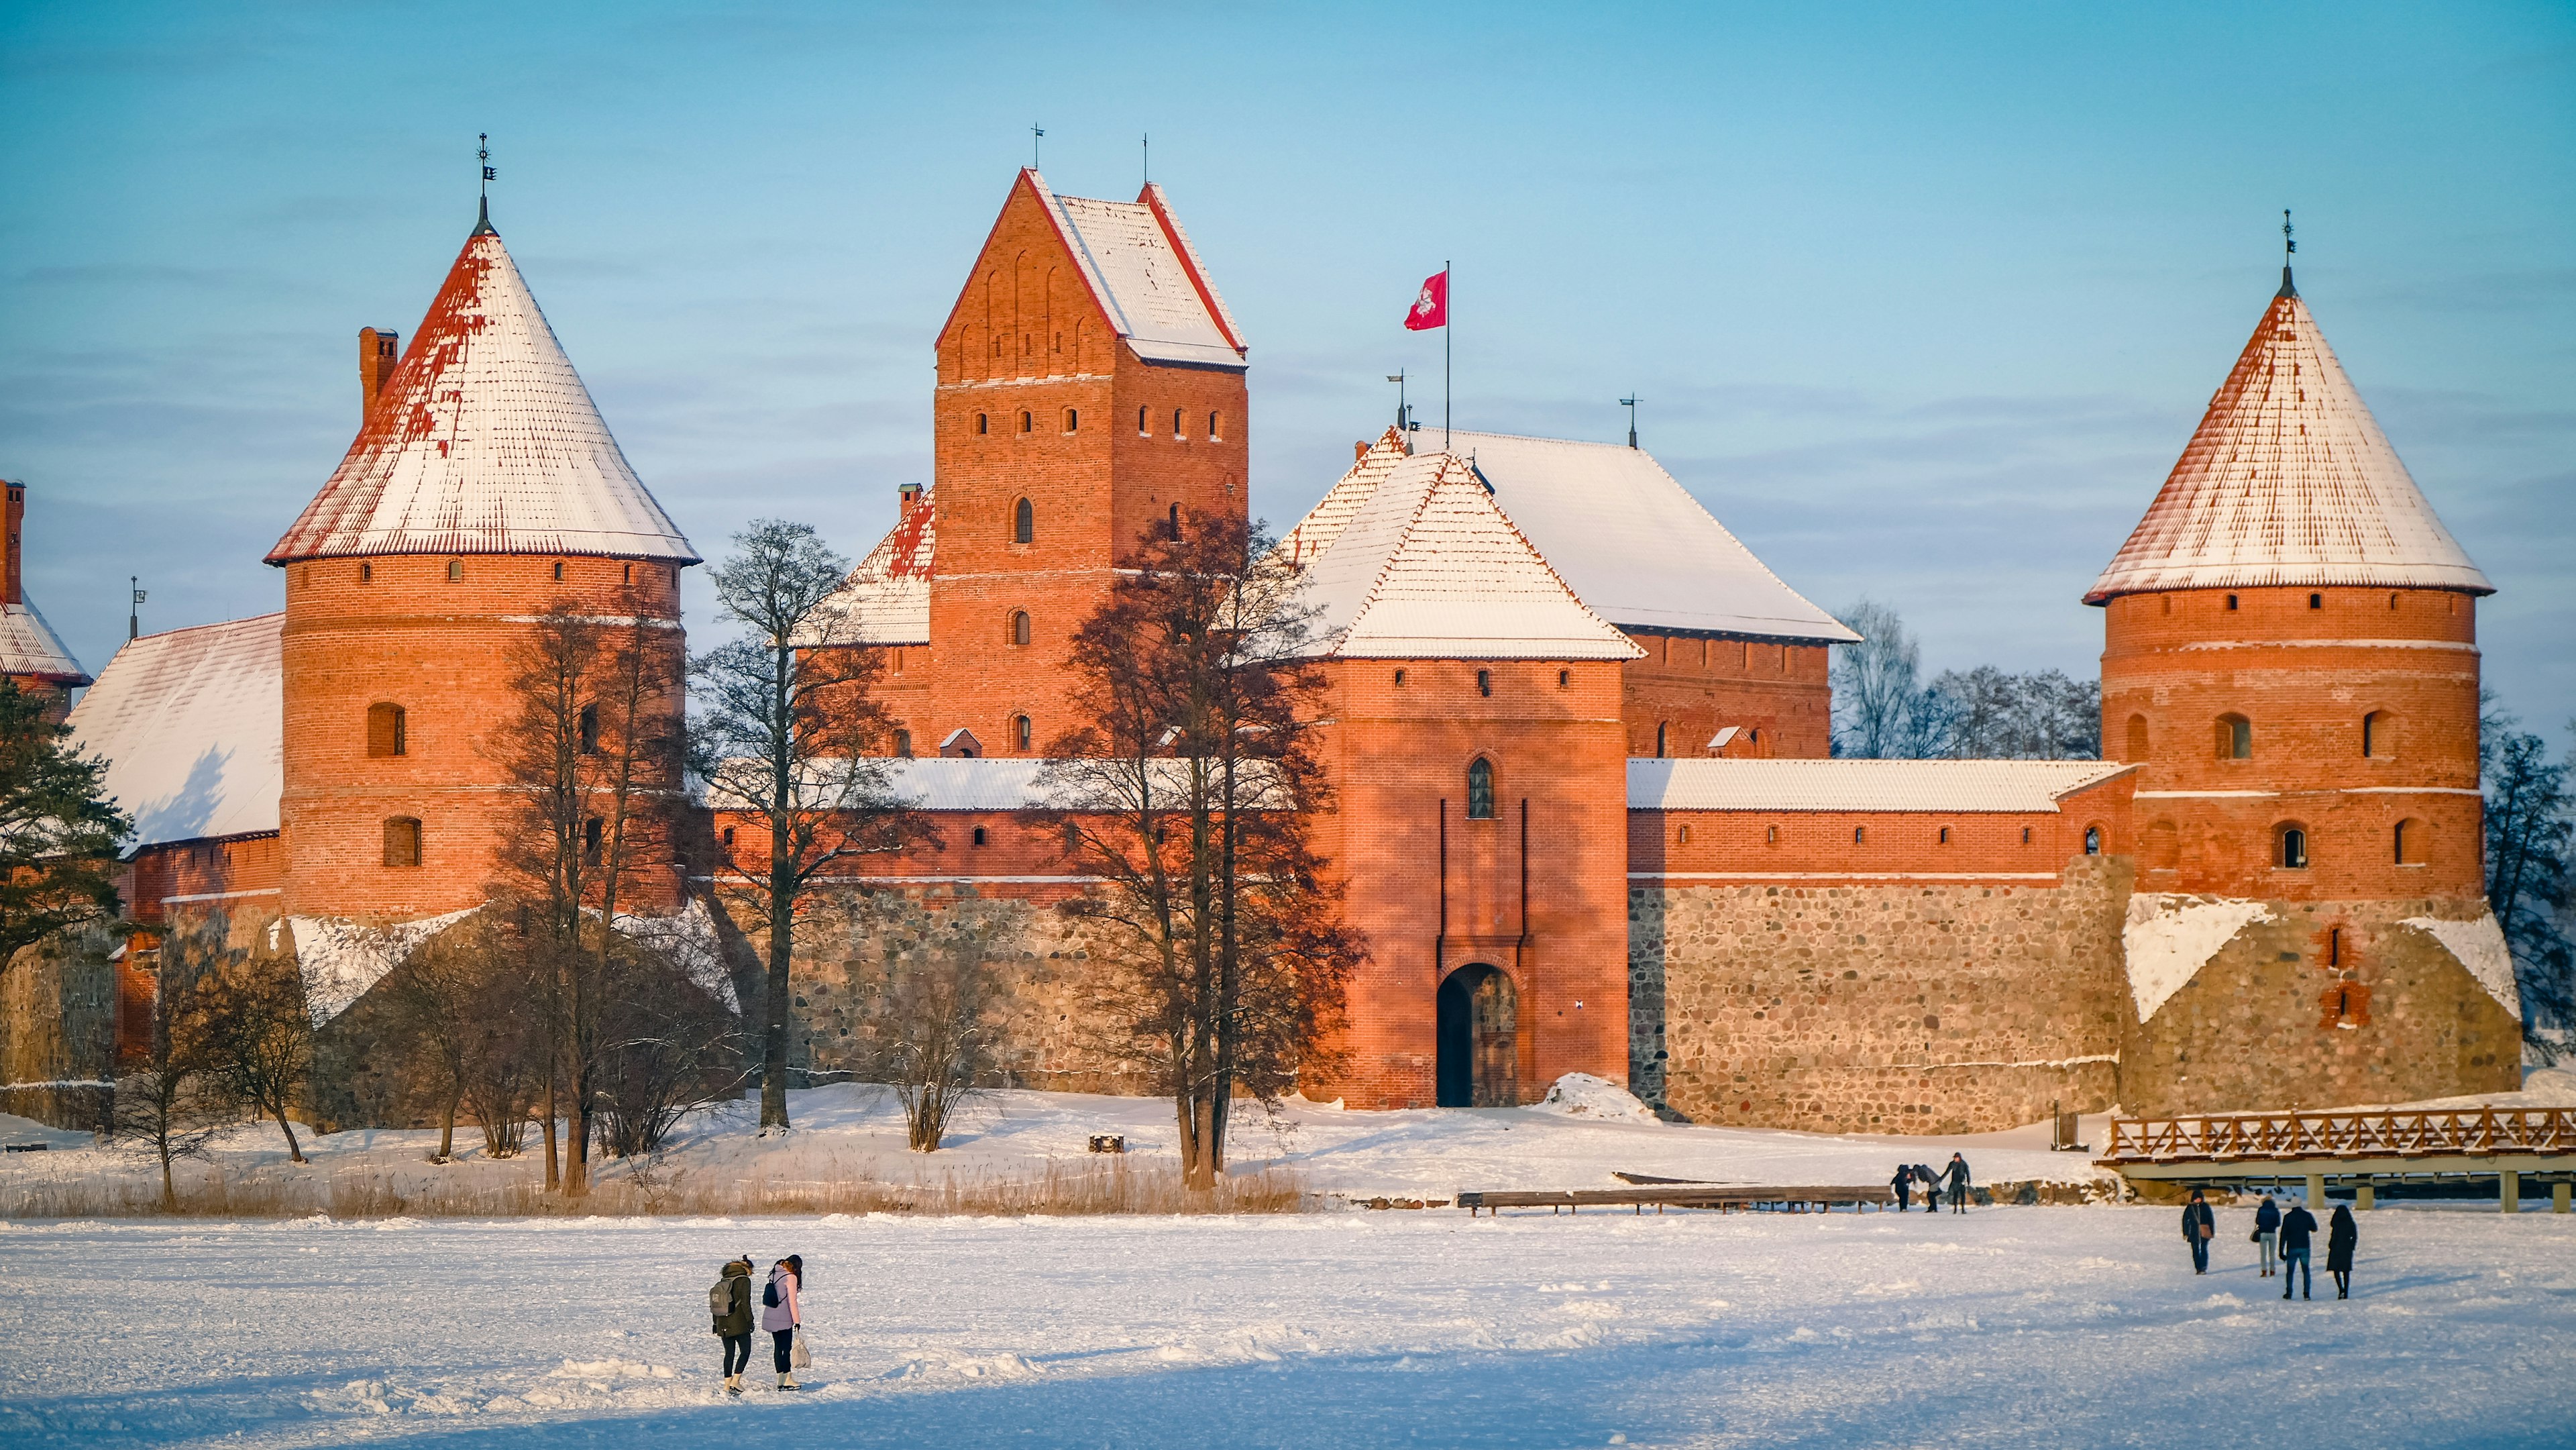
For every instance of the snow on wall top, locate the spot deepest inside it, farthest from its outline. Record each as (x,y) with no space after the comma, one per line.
(1962,786)
(2479,945)
(2168,938)
(1146,276)
(1427,567)
(192,724)
(2288,480)
(886,599)
(1630,540)
(29,647)
(484,441)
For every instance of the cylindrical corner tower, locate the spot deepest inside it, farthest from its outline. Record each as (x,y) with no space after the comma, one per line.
(2290,658)
(483,492)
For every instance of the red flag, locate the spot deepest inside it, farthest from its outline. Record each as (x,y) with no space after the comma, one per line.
(1431,308)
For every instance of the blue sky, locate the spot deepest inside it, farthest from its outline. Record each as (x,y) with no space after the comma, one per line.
(1923,301)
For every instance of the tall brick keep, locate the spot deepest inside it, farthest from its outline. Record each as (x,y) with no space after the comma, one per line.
(2290,660)
(483,490)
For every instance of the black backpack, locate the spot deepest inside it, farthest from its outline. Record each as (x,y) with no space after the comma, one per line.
(769,1294)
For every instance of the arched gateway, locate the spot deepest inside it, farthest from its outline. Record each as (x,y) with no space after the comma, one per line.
(1479,1034)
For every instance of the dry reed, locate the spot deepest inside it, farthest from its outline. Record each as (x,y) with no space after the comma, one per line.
(643,1188)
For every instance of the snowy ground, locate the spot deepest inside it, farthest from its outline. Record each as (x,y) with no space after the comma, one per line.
(856,1131)
(2010,1326)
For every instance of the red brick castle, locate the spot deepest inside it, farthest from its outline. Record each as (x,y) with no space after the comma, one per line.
(1578,739)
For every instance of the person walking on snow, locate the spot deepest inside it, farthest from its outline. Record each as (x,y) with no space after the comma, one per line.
(1958,1184)
(729,1303)
(2342,1235)
(2297,1226)
(2267,1235)
(2199,1226)
(1903,1183)
(781,1315)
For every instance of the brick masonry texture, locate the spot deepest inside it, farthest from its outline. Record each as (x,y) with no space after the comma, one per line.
(1878,1008)
(1688,687)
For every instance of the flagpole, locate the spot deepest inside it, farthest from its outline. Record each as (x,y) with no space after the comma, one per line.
(1448,293)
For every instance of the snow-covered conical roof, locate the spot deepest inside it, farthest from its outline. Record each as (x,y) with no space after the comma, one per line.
(2288,481)
(29,648)
(484,441)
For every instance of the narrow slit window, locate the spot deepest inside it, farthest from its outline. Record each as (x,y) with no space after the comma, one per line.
(2235,738)
(2092,840)
(1028,422)
(2293,852)
(1180,423)
(1020,630)
(455,570)
(366,573)
(1485,682)
(1023,732)
(1174,521)
(983,423)
(1073,420)
(594,835)
(1144,429)
(1860,835)
(903,744)
(1565,679)
(1024,523)
(1480,789)
(588,728)
(402,841)
(2316,601)
(1945,835)
(1215,430)
(386,730)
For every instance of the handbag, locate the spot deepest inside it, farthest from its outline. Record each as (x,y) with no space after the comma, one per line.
(801,1357)
(2208,1230)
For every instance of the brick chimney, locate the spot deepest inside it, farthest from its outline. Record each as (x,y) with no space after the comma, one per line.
(909,496)
(10,592)
(378,350)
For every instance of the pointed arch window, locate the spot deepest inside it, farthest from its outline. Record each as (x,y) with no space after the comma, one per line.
(1024,523)
(1480,789)
(1023,733)
(1020,626)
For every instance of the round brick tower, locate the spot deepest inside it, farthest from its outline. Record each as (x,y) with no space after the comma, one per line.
(483,491)
(2290,658)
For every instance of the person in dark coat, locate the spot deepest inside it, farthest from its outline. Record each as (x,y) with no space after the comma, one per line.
(2342,1234)
(733,1325)
(1958,1184)
(2267,1235)
(2297,1226)
(1903,1183)
(2199,1226)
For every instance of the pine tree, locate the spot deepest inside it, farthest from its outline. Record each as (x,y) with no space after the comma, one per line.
(58,835)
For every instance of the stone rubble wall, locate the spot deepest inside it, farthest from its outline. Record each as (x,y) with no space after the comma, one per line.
(1879,1007)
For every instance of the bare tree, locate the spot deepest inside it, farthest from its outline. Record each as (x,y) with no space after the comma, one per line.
(1189,788)
(1881,710)
(435,994)
(941,1037)
(785,738)
(173,1100)
(667,1047)
(593,747)
(2042,715)
(508,1045)
(258,1037)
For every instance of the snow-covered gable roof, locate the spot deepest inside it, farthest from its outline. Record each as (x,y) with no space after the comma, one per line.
(192,725)
(30,648)
(484,441)
(2288,480)
(1146,276)
(1427,567)
(1947,786)
(1638,549)
(886,599)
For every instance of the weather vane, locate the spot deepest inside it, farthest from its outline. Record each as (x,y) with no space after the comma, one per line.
(2289,243)
(483,153)
(1630,403)
(1036,134)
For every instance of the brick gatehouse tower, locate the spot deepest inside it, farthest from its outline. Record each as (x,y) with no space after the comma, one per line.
(482,490)
(2290,659)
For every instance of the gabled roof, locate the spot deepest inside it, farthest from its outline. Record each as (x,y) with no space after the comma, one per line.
(484,441)
(886,599)
(1426,567)
(1145,275)
(30,648)
(2288,480)
(1949,786)
(1634,544)
(192,724)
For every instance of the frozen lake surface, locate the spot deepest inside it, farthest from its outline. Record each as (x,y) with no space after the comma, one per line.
(2008,1326)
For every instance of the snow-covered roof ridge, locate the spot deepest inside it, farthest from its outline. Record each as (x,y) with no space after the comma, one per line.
(1634,545)
(1949,786)
(484,441)
(1428,567)
(1333,512)
(192,724)
(2288,480)
(886,599)
(1146,276)
(29,647)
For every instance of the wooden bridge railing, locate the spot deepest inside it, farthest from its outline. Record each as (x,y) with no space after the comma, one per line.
(2240,1136)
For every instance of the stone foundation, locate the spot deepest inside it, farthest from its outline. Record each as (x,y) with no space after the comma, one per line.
(2328,1004)
(1904,1008)
(58,1029)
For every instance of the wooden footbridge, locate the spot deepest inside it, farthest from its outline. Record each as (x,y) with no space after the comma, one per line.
(2363,1150)
(1663,1194)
